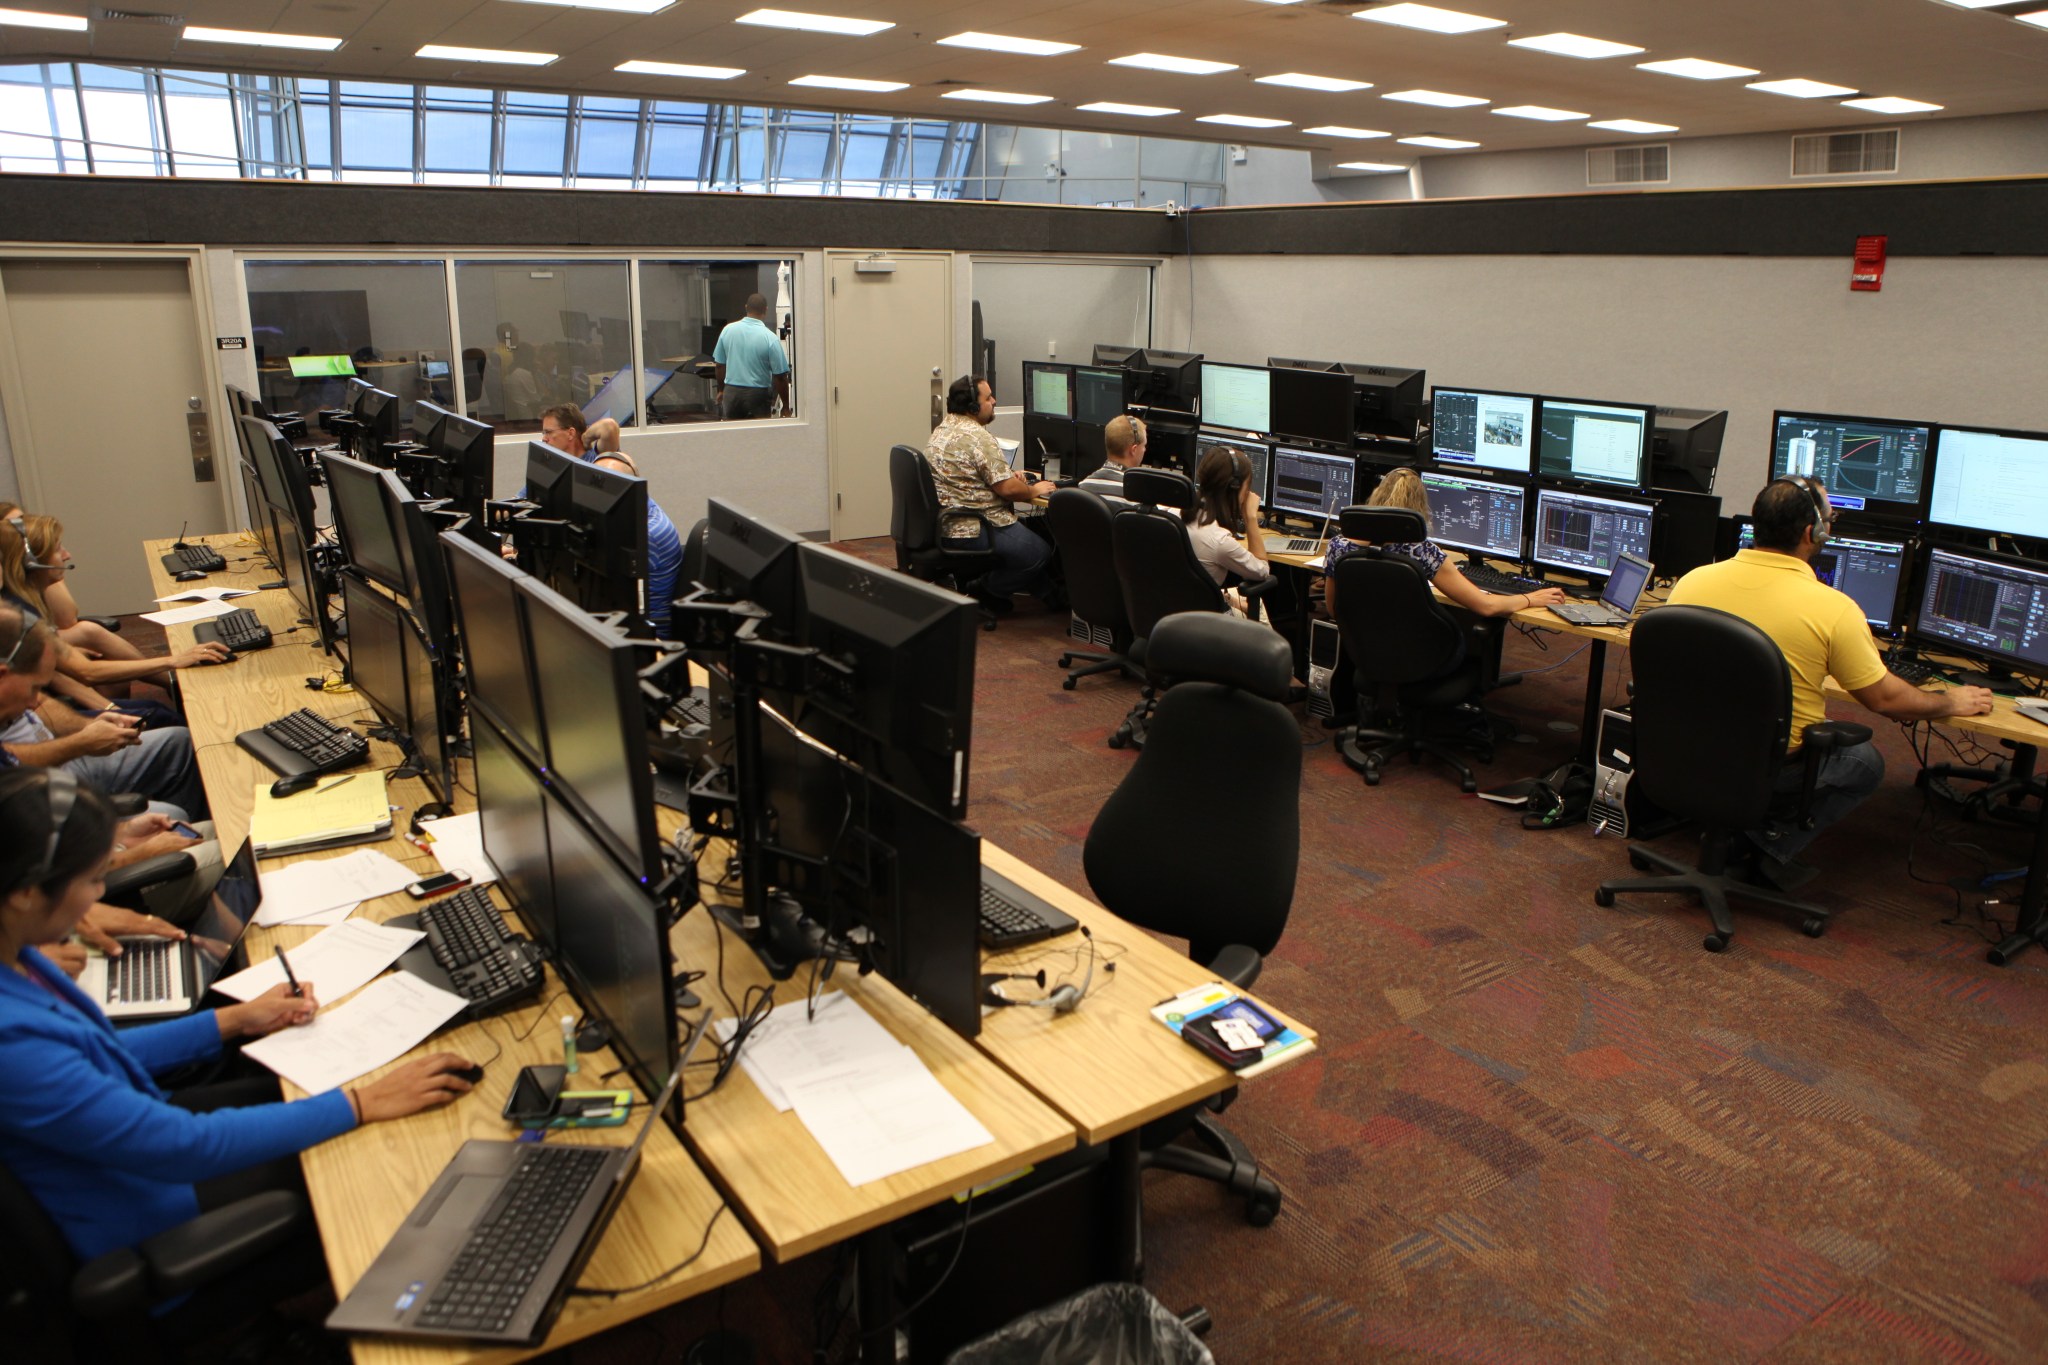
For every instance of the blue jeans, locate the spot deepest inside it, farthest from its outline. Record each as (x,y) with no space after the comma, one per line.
(1846,777)
(163,768)
(1021,557)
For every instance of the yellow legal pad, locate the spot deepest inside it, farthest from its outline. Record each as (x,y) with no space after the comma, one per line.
(330,814)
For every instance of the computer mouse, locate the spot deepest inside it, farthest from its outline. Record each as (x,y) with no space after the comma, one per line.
(188,576)
(474,1074)
(293,785)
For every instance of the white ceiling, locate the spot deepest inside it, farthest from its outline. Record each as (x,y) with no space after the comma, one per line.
(1970,62)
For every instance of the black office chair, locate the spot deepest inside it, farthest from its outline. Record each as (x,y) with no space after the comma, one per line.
(1713,707)
(1159,576)
(54,1309)
(1080,521)
(1418,670)
(1223,728)
(693,556)
(917,525)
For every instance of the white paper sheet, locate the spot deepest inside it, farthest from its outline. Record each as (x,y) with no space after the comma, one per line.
(208,594)
(876,1120)
(180,616)
(310,890)
(381,1025)
(334,962)
(787,1047)
(459,846)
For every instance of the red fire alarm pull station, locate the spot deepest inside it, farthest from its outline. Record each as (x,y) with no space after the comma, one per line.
(1868,272)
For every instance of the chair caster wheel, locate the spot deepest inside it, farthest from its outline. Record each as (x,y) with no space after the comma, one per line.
(1068,684)
(1118,741)
(1261,1207)
(1637,861)
(1066,661)
(1468,786)
(1602,896)
(1813,926)
(1372,777)
(1715,942)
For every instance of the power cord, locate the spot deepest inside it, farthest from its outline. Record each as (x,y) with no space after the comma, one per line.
(716,1214)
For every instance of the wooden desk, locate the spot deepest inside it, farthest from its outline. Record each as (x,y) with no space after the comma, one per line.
(364,1183)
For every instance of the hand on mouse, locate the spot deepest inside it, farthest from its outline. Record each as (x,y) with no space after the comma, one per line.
(211,652)
(423,1083)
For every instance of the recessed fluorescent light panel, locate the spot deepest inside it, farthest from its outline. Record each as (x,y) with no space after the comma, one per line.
(1429,18)
(503,57)
(996,97)
(1696,69)
(851,83)
(1574,45)
(616,6)
(1338,130)
(1892,104)
(1975,4)
(1300,81)
(1134,110)
(1449,144)
(814,23)
(1540,112)
(682,69)
(1434,97)
(1243,121)
(1800,88)
(1377,167)
(35,18)
(1185,66)
(1633,125)
(996,42)
(304,42)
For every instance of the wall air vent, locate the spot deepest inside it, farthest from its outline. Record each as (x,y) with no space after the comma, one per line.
(138,16)
(1874,152)
(1634,165)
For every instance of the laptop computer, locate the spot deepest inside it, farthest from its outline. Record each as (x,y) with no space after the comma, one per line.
(156,979)
(494,1247)
(1618,597)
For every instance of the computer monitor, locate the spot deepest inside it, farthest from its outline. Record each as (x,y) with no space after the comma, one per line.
(747,559)
(417,537)
(1311,483)
(1258,452)
(289,492)
(321,366)
(1479,516)
(598,557)
(1483,429)
(1685,449)
(376,413)
(1118,356)
(611,946)
(1586,533)
(1311,405)
(1387,400)
(587,681)
(1099,395)
(459,461)
(427,706)
(376,653)
(515,832)
(1167,379)
(362,520)
(1872,466)
(1989,481)
(895,689)
(1048,390)
(1985,606)
(1871,569)
(1239,397)
(1279,362)
(492,625)
(262,516)
(1584,441)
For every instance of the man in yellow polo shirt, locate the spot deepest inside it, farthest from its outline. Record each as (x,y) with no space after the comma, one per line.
(1821,632)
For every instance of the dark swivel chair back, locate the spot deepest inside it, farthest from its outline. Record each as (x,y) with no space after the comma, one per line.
(1159,488)
(1157,568)
(693,557)
(1081,526)
(1712,704)
(916,525)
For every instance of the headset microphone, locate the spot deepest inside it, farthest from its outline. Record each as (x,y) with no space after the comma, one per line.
(1062,999)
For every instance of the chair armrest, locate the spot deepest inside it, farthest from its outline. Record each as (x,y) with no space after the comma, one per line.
(1257,587)
(221,1241)
(1816,742)
(1237,965)
(165,867)
(111,624)
(129,803)
(948,514)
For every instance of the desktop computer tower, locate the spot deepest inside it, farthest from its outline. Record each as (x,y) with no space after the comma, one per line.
(1618,805)
(1325,655)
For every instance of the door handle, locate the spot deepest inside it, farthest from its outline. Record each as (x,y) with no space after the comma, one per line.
(199,433)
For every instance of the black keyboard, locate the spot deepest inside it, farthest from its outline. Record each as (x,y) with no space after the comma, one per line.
(1005,924)
(1490,579)
(1915,671)
(486,966)
(694,709)
(240,630)
(324,746)
(204,558)
(495,1269)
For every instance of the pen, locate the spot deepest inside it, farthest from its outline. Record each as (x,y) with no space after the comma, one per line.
(330,786)
(285,963)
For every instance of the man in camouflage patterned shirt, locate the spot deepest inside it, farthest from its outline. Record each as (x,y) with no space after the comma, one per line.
(971,475)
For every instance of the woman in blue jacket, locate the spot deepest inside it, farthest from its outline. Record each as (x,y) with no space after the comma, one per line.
(86,1129)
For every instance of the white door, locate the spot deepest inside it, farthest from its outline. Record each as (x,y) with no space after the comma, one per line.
(889,337)
(104,382)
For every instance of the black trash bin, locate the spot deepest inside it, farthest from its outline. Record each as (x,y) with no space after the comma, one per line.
(1110,1324)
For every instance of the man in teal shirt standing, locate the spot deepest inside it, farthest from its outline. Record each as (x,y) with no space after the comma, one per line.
(752,369)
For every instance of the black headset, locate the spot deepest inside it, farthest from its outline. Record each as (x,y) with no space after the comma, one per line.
(61,791)
(1817,505)
(1064,998)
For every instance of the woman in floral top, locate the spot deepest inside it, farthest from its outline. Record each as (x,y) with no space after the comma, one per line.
(1403,488)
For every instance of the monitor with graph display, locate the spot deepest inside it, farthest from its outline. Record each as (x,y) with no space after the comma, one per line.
(1480,516)
(1991,481)
(1582,441)
(1989,607)
(1311,483)
(1587,534)
(1867,465)
(1483,430)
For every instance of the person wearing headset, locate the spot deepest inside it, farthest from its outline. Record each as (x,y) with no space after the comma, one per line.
(107,1153)
(1821,631)
(1403,488)
(1223,522)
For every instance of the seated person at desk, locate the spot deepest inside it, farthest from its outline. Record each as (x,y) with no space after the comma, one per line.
(96,640)
(105,751)
(112,1157)
(1123,447)
(563,427)
(971,475)
(664,549)
(1223,524)
(1821,631)
(751,367)
(1403,488)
